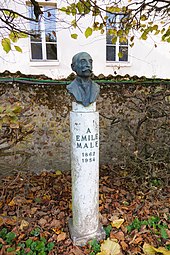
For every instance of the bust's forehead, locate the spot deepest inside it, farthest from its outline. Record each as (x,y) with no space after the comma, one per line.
(84,55)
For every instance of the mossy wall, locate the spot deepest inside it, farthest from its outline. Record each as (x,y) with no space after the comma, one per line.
(134,125)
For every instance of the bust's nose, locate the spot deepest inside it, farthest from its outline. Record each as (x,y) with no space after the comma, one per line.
(88,64)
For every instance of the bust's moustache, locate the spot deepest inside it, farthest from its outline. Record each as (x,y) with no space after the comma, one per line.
(87,69)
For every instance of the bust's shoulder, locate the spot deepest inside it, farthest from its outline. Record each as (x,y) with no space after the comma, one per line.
(95,85)
(72,84)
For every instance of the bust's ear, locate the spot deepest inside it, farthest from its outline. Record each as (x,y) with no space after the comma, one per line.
(73,67)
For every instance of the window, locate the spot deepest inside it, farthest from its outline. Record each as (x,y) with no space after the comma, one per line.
(44,41)
(115,51)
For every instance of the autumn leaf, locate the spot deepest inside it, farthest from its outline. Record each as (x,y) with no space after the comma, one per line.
(42,222)
(18,48)
(1,221)
(58,172)
(109,247)
(10,221)
(151,250)
(117,223)
(88,32)
(11,203)
(61,237)
(1,204)
(124,245)
(74,36)
(24,225)
(6,44)
(76,251)
(56,230)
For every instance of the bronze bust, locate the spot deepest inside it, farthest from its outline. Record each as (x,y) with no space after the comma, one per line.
(84,90)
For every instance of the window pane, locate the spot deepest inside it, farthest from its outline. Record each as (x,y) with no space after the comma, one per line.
(120,18)
(111,20)
(124,51)
(50,23)
(109,38)
(50,17)
(51,51)
(50,36)
(36,50)
(111,53)
(36,38)
(34,26)
(125,42)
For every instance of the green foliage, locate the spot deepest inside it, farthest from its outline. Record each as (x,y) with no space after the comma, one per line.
(9,115)
(74,36)
(88,32)
(153,223)
(167,247)
(35,232)
(95,246)
(18,48)
(164,234)
(6,44)
(8,237)
(136,224)
(3,233)
(29,247)
(145,23)
(14,36)
(108,230)
(13,127)
(131,21)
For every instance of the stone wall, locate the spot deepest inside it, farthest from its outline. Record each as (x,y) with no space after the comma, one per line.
(134,121)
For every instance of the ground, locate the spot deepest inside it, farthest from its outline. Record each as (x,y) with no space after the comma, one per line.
(35,208)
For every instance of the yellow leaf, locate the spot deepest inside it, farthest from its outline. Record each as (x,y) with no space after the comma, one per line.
(24,225)
(162,250)
(148,249)
(18,48)
(12,203)
(117,223)
(6,44)
(109,247)
(46,197)
(74,36)
(58,172)
(151,250)
(70,205)
(88,32)
(56,230)
(1,221)
(1,204)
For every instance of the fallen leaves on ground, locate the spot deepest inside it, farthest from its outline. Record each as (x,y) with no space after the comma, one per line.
(109,247)
(151,250)
(38,206)
(117,223)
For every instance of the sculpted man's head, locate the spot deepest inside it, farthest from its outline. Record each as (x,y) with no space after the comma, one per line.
(82,88)
(82,64)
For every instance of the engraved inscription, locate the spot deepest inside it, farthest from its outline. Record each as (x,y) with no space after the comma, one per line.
(88,157)
(87,141)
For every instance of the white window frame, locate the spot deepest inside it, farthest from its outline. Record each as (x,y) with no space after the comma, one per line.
(116,45)
(44,61)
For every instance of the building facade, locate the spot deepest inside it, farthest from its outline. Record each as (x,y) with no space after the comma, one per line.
(51,51)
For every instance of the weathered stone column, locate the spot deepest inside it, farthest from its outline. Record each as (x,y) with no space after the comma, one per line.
(84,125)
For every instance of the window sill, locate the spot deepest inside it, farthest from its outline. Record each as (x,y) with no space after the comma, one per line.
(44,63)
(112,63)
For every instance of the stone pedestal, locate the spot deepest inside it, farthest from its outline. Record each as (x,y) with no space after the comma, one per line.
(84,124)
